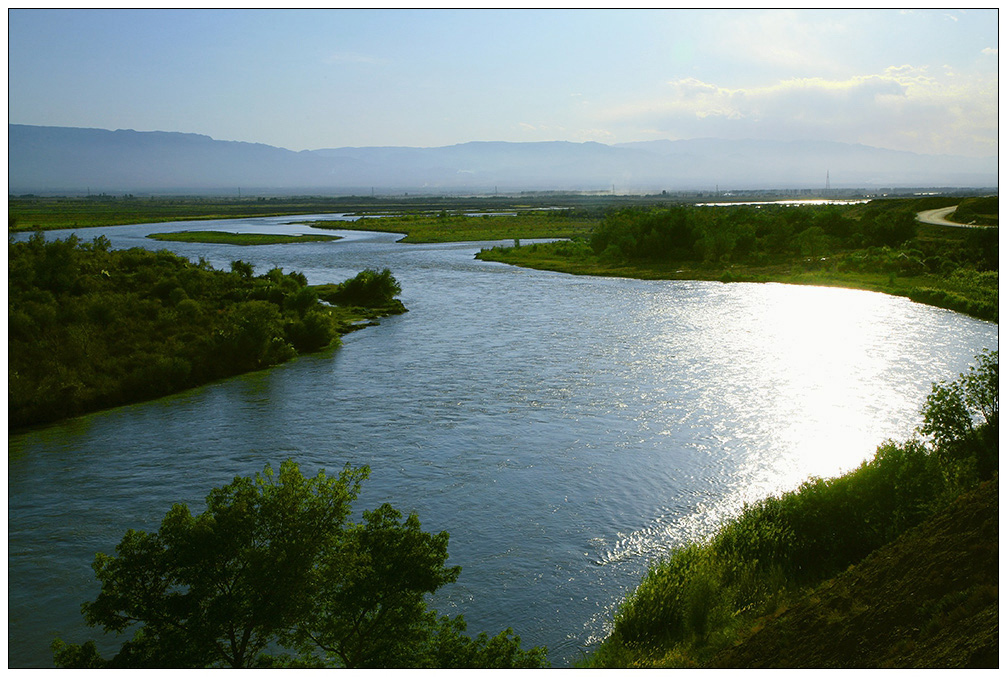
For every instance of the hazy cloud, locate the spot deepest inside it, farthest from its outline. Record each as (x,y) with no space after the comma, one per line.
(786,39)
(904,108)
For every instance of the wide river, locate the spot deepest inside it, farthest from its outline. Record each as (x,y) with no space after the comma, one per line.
(567,431)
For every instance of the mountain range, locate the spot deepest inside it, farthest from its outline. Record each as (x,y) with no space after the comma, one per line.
(72,160)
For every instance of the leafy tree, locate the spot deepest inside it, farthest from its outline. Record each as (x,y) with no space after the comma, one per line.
(242,268)
(378,582)
(275,561)
(368,288)
(962,419)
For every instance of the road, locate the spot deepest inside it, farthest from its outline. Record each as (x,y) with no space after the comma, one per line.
(938,217)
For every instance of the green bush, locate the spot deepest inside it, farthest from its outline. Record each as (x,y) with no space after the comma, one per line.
(91,327)
(369,288)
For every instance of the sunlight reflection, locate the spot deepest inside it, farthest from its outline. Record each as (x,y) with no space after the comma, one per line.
(800,382)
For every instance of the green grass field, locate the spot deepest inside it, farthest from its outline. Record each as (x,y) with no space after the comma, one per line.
(421,228)
(220,237)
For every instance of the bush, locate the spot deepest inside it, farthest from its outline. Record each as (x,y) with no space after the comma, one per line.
(369,288)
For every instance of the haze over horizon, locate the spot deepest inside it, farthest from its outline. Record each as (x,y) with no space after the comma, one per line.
(924,81)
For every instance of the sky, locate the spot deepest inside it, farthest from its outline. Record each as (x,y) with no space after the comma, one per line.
(914,80)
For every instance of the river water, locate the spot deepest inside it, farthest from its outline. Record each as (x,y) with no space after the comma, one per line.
(565,430)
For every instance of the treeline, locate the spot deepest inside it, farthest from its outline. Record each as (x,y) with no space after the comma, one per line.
(704,596)
(878,245)
(91,327)
(885,234)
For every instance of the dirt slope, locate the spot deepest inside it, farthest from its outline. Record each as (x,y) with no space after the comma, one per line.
(928,600)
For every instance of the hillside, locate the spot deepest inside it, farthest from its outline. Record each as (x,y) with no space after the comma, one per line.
(70,160)
(928,600)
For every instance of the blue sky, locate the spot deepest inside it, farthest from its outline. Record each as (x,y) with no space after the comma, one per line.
(923,81)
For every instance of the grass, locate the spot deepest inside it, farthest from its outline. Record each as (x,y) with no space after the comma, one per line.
(975,294)
(444,227)
(219,237)
(27,213)
(712,595)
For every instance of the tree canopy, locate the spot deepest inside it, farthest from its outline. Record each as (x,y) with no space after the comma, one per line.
(91,327)
(275,561)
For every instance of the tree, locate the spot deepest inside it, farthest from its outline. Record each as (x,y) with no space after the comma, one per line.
(368,288)
(962,419)
(378,581)
(274,561)
(243,268)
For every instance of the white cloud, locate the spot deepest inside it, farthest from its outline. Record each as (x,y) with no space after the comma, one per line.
(903,108)
(991,51)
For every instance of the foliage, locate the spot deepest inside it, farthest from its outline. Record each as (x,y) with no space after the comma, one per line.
(745,234)
(32,212)
(461,227)
(962,419)
(877,246)
(698,599)
(90,327)
(368,288)
(978,210)
(275,561)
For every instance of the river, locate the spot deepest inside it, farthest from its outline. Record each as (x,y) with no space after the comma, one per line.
(565,430)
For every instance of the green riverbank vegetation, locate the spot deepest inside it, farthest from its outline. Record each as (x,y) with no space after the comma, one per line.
(877,246)
(446,226)
(90,327)
(274,561)
(30,213)
(244,239)
(27,213)
(711,596)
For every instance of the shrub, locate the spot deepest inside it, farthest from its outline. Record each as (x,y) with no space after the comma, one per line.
(368,288)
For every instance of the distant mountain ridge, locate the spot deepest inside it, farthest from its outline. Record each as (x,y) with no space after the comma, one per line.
(74,160)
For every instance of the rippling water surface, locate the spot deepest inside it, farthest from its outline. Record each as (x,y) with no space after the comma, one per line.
(565,430)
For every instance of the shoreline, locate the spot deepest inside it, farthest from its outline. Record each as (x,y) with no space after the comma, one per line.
(925,290)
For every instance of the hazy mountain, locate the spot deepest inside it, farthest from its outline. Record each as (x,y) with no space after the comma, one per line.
(73,160)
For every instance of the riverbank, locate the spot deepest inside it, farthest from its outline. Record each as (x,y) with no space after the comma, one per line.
(928,600)
(876,247)
(893,564)
(92,328)
(974,294)
(460,227)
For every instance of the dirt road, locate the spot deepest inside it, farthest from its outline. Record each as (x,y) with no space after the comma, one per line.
(938,217)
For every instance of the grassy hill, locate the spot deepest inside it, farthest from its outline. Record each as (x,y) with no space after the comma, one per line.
(928,600)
